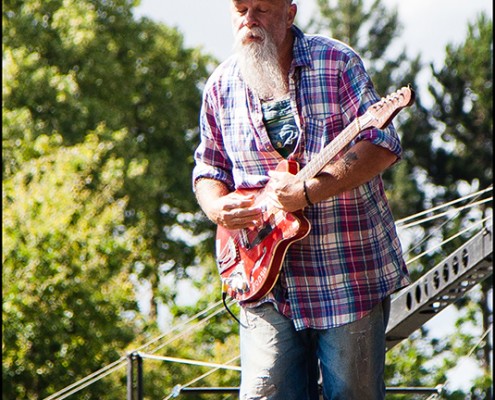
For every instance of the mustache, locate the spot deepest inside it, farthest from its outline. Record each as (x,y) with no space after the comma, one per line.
(250,33)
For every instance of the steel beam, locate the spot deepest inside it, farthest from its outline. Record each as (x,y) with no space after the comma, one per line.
(447,282)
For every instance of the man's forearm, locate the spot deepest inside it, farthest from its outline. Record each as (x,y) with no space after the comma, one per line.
(208,191)
(358,165)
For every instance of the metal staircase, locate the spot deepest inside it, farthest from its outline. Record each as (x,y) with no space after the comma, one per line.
(443,285)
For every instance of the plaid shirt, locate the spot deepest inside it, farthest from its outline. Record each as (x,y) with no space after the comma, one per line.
(352,257)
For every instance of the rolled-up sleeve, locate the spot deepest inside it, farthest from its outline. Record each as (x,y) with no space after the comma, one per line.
(358,95)
(210,158)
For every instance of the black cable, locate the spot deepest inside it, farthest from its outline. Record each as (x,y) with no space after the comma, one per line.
(224,297)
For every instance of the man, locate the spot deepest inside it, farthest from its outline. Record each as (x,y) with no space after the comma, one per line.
(285,95)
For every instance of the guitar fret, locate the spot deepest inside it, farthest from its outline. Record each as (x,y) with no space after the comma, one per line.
(331,150)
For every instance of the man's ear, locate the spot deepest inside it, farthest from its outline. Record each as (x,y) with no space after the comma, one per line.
(291,15)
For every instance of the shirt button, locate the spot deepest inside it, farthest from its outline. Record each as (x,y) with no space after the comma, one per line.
(279,144)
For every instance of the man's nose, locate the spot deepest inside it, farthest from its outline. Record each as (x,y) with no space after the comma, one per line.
(250,19)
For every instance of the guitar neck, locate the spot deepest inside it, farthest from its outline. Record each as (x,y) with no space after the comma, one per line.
(378,115)
(333,148)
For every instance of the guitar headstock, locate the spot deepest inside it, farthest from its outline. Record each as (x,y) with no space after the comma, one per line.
(387,108)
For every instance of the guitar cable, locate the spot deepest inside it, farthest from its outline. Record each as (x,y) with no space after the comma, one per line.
(224,301)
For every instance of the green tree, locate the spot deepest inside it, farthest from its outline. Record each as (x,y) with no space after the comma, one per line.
(463,94)
(74,64)
(99,125)
(460,156)
(63,257)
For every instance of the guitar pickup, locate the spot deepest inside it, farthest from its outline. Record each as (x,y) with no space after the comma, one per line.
(262,234)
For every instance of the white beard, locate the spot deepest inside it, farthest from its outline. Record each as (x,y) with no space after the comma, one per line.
(259,64)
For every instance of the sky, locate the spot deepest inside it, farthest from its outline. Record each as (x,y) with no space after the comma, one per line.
(428,26)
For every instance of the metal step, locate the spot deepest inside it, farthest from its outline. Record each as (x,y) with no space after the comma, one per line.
(447,282)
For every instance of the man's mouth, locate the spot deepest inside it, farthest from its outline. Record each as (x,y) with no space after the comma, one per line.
(251,36)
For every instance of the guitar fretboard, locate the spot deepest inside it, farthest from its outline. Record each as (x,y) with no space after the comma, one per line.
(334,147)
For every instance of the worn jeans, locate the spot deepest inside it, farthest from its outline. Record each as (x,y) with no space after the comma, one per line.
(280,363)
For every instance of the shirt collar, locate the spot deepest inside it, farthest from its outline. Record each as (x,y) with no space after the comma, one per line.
(301,50)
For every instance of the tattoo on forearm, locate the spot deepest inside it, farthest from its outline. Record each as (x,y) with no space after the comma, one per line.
(348,159)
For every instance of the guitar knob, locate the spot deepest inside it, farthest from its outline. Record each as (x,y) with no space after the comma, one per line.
(239,284)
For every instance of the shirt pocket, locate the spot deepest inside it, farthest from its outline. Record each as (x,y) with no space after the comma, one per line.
(320,131)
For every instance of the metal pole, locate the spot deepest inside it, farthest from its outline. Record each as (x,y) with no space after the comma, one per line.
(414,390)
(139,382)
(130,377)
(235,390)
(134,376)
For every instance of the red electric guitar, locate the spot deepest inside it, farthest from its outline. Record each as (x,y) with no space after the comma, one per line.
(250,260)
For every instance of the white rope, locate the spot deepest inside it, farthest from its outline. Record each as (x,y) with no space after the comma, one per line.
(85,382)
(191,362)
(448,240)
(403,220)
(186,332)
(458,209)
(426,238)
(180,326)
(479,341)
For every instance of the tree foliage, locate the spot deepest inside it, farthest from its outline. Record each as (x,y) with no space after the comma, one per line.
(463,94)
(463,108)
(100,121)
(63,257)
(69,65)
(460,156)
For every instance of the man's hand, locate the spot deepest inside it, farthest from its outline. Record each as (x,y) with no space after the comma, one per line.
(236,211)
(286,191)
(228,209)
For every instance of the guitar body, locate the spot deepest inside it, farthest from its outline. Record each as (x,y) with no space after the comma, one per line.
(250,260)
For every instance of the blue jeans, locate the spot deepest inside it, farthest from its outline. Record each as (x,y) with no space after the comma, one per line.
(280,363)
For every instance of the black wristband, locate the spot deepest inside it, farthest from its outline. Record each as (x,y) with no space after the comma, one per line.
(310,203)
